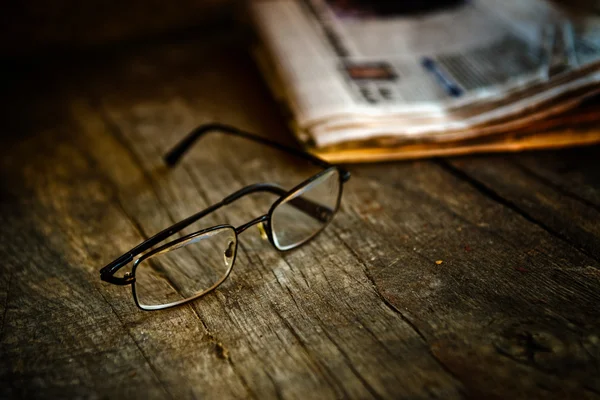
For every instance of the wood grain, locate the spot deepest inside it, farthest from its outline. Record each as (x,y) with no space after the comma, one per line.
(366,310)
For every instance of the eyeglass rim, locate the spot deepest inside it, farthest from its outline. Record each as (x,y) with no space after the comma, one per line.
(293,191)
(171,244)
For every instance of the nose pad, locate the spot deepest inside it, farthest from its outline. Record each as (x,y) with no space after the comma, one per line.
(261,229)
(229,252)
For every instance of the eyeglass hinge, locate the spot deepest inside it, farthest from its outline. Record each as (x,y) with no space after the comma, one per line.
(127,279)
(107,273)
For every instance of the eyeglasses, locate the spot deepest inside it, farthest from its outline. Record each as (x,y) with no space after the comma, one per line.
(191,266)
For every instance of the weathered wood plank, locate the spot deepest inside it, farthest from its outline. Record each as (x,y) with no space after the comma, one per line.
(363,311)
(508,294)
(548,191)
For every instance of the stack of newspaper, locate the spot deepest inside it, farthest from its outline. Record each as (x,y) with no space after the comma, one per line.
(362,84)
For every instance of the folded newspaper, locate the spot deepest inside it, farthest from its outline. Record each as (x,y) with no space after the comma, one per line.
(365,83)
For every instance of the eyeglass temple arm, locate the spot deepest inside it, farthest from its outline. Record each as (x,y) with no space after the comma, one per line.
(107,272)
(175,154)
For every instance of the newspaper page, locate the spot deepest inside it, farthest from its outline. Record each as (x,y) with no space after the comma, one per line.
(350,74)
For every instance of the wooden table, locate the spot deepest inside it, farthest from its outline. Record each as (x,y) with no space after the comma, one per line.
(468,277)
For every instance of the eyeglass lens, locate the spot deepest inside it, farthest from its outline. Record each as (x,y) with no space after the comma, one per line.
(291,225)
(185,270)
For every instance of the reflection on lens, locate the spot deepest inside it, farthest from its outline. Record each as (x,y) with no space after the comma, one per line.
(185,269)
(306,212)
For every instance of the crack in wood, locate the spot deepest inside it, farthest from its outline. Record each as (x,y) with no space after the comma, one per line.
(412,325)
(137,345)
(528,171)
(482,188)
(349,363)
(385,301)
(326,372)
(242,379)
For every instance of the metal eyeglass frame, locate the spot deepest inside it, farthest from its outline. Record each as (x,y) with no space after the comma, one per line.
(107,273)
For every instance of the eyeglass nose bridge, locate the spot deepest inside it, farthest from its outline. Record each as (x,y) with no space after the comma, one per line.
(262,227)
